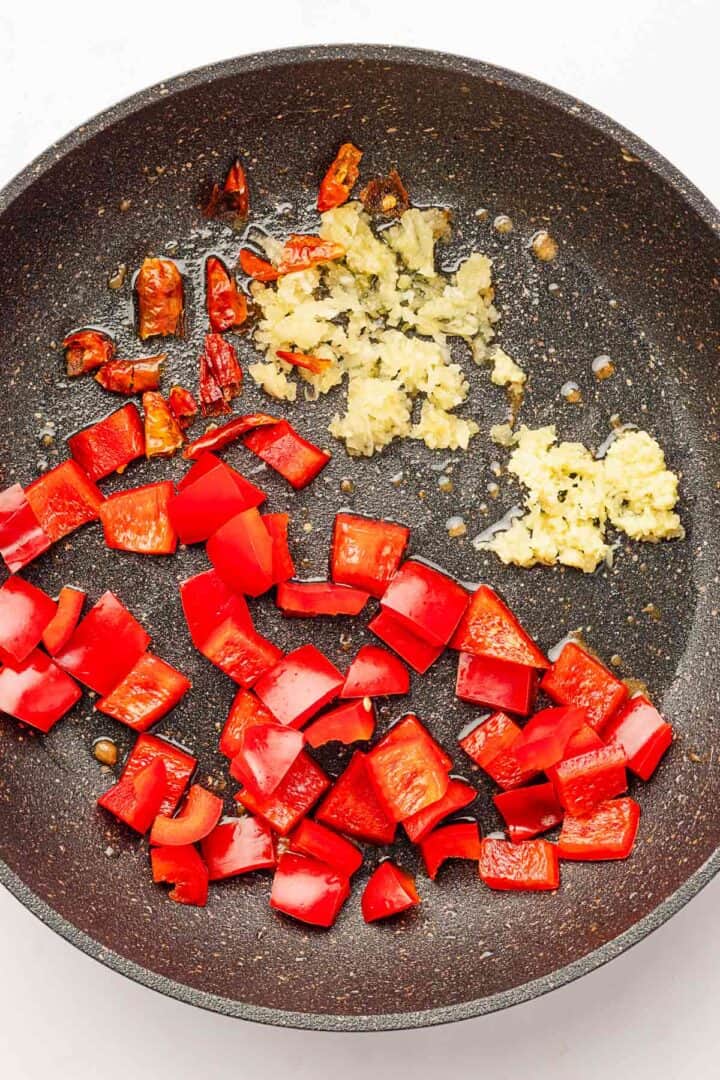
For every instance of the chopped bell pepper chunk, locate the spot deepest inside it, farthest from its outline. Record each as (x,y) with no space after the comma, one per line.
(135,800)
(61,627)
(238,846)
(105,646)
(388,892)
(256,268)
(148,692)
(131,376)
(489,628)
(226,305)
(63,499)
(300,252)
(37,692)
(411,728)
(283,566)
(299,686)
(316,365)
(245,711)
(459,794)
(110,444)
(366,552)
(159,292)
(428,603)
(311,598)
(222,436)
(292,799)
(583,782)
(349,723)
(207,603)
(183,868)
(308,890)
(497,684)
(375,673)
(576,678)
(179,767)
(25,612)
(204,504)
(528,811)
(240,651)
(530,866)
(608,832)
(353,806)
(22,538)
(317,841)
(642,733)
(340,178)
(197,818)
(280,447)
(490,745)
(267,753)
(407,772)
(241,552)
(163,435)
(544,740)
(459,840)
(183,406)
(139,520)
(86,350)
(414,651)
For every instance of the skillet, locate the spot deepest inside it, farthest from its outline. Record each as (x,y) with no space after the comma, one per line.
(637,278)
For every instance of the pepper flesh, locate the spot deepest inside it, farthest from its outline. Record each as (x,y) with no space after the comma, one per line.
(311,598)
(222,436)
(86,350)
(138,520)
(489,628)
(256,268)
(283,566)
(22,538)
(183,406)
(159,292)
(63,499)
(528,811)
(61,627)
(490,745)
(459,840)
(105,646)
(239,651)
(349,723)
(245,711)
(413,650)
(375,673)
(388,892)
(135,800)
(183,868)
(241,552)
(428,603)
(340,178)
(280,447)
(147,693)
(583,782)
(267,753)
(642,733)
(576,678)
(531,866)
(25,612)
(308,890)
(311,838)
(207,602)
(205,504)
(163,435)
(353,806)
(544,739)
(316,365)
(198,816)
(607,833)
(238,846)
(407,770)
(299,686)
(226,305)
(179,767)
(292,799)
(37,692)
(131,376)
(459,794)
(497,684)
(301,252)
(220,375)
(366,552)
(110,444)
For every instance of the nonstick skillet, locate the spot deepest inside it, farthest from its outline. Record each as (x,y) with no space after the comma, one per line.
(638,278)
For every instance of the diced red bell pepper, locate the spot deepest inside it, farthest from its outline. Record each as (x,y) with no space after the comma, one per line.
(37,692)
(544,740)
(283,567)
(204,464)
(226,305)
(63,499)
(349,723)
(159,292)
(308,890)
(240,652)
(497,684)
(284,450)
(220,375)
(148,692)
(238,846)
(138,520)
(136,800)
(340,178)
(245,711)
(316,365)
(163,434)
(219,437)
(425,601)
(311,598)
(207,603)
(375,673)
(642,733)
(110,444)
(22,538)
(198,816)
(389,891)
(407,771)
(266,755)
(131,376)
(583,741)
(576,678)
(299,686)
(459,840)
(105,646)
(607,833)
(300,252)
(311,838)
(179,767)
(353,805)
(413,650)
(241,552)
(366,552)
(411,728)
(183,868)
(490,745)
(583,782)
(86,350)
(256,268)
(25,612)
(458,795)
(489,628)
(528,811)
(183,406)
(61,627)
(292,799)
(531,866)
(206,503)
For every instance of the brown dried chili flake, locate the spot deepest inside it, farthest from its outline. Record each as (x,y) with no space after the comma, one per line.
(131,376)
(162,431)
(233,197)
(86,350)
(386,196)
(219,370)
(159,290)
(210,395)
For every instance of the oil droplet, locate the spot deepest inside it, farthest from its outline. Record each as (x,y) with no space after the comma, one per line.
(653,611)
(554,289)
(347,486)
(571,392)
(543,246)
(456,527)
(117,280)
(503,224)
(482,214)
(445,484)
(493,490)
(602,367)
(105,751)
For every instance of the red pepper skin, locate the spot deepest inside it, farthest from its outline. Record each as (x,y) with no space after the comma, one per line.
(241,552)
(147,693)
(366,552)
(292,799)
(240,652)
(529,811)
(266,755)
(37,692)
(238,846)
(299,686)
(22,538)
(86,350)
(607,833)
(307,599)
(489,628)
(576,678)
(183,406)
(532,866)
(388,892)
(490,745)
(207,603)
(210,395)
(583,741)
(349,723)
(159,292)
(25,612)
(220,375)
(340,178)
(110,444)
(583,782)
(545,738)
(460,840)
(311,838)
(428,603)
(280,447)
(308,890)
(300,252)
(179,767)
(226,305)
(138,520)
(63,499)
(414,651)
(245,711)
(198,816)
(105,646)
(411,728)
(61,627)
(183,868)
(353,805)
(642,733)
(497,684)
(256,268)
(203,506)
(316,365)
(163,435)
(131,376)
(135,800)
(283,566)
(375,673)
(222,436)
(458,795)
(407,775)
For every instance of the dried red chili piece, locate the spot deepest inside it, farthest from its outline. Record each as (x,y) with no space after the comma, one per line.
(256,268)
(86,350)
(314,364)
(222,436)
(131,376)
(210,395)
(219,371)
(233,197)
(300,252)
(226,305)
(340,178)
(385,196)
(159,290)
(183,406)
(162,433)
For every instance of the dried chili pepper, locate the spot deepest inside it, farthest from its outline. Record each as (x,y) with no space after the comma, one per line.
(183,406)
(300,252)
(386,196)
(219,369)
(86,350)
(131,376)
(162,433)
(227,433)
(314,364)
(159,289)
(340,178)
(257,268)
(233,197)
(226,305)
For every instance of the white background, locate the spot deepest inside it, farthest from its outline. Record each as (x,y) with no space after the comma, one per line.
(652,65)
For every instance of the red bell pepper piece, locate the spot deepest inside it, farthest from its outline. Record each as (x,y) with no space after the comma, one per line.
(245,711)
(240,652)
(233,197)
(490,745)
(489,628)
(61,627)
(256,268)
(179,767)
(207,603)
(205,504)
(183,406)
(340,178)
(204,464)
(139,520)
(219,370)
(353,805)
(280,447)
(349,723)
(389,891)
(63,499)
(528,811)
(131,376)
(197,818)
(544,740)
(222,436)
(135,800)
(266,755)
(375,673)
(583,782)
(459,794)
(226,305)
(576,678)
(366,552)
(316,365)
(299,686)
(642,733)
(607,833)
(110,444)
(310,598)
(86,350)
(583,741)
(425,601)
(308,890)
(414,651)
(37,691)
(159,293)
(497,684)
(163,435)
(407,771)
(237,846)
(25,612)
(283,566)
(531,866)
(241,552)
(183,868)
(459,840)
(311,838)
(105,646)
(411,728)
(148,692)
(300,252)
(22,537)
(292,799)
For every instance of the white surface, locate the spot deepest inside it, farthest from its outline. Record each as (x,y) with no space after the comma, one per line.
(653,66)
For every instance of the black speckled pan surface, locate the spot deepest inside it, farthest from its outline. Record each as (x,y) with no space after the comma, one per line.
(632,232)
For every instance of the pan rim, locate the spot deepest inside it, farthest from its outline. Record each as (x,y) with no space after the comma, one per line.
(702,207)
